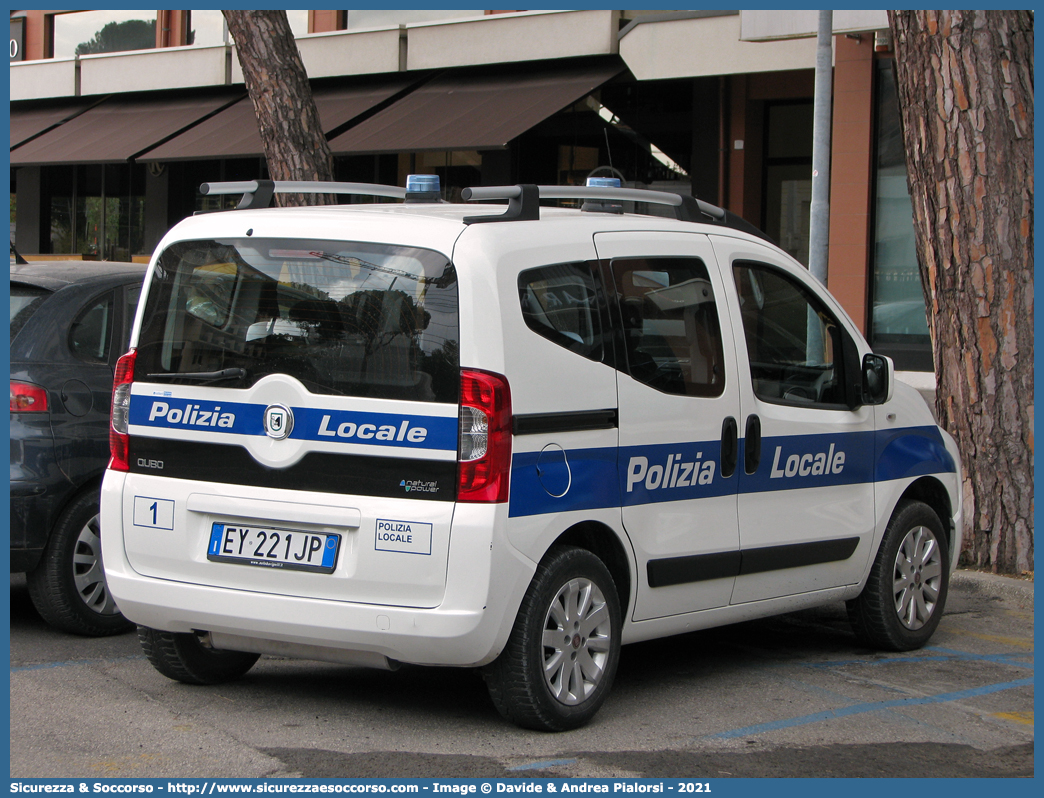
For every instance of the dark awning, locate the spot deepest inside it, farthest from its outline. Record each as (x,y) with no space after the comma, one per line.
(30,122)
(117,129)
(475,109)
(233,133)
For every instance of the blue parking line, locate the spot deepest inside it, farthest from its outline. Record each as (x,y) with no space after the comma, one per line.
(1004,659)
(858,709)
(551,763)
(942,656)
(68,663)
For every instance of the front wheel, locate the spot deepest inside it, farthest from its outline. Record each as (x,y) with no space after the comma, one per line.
(904,596)
(560,660)
(186,657)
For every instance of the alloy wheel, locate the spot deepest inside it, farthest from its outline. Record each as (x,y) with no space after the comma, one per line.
(917,577)
(577,639)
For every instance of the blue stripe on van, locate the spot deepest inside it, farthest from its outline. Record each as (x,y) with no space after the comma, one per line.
(811,461)
(672,472)
(171,412)
(911,452)
(634,475)
(376,429)
(590,482)
(312,424)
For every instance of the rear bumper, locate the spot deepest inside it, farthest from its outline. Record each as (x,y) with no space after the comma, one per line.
(424,637)
(469,628)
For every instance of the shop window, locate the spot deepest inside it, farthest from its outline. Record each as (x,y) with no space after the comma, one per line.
(788,176)
(380,18)
(899,326)
(576,163)
(97,212)
(207,28)
(92,32)
(17,37)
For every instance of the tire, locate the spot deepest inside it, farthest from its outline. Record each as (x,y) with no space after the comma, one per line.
(184,657)
(68,586)
(560,661)
(903,600)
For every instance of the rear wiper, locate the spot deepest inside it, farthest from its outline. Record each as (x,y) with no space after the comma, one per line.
(203,376)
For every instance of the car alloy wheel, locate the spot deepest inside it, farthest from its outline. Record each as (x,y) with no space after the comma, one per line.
(917,577)
(577,640)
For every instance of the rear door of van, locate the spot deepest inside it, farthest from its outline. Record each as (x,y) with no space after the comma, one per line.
(678,405)
(293,420)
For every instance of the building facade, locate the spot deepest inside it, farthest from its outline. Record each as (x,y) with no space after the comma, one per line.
(118,116)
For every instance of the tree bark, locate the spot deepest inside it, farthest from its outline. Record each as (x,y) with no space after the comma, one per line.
(965,81)
(292,135)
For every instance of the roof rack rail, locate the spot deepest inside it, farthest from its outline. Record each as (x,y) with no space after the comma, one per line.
(258,193)
(523,199)
(524,203)
(687,209)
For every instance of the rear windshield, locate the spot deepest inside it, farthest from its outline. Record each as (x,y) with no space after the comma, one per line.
(25,299)
(344,318)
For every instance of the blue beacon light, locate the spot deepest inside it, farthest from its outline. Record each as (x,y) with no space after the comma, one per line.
(423,188)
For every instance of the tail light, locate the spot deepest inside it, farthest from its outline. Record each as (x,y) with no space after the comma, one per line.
(119,437)
(28,398)
(485,437)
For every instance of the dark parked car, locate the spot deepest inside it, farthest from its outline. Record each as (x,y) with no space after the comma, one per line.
(70,322)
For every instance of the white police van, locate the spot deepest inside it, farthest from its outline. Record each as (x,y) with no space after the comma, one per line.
(512,438)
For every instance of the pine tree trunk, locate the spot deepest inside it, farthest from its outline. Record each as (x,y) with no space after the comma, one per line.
(295,146)
(965,81)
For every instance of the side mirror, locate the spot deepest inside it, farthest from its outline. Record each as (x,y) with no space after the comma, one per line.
(878,379)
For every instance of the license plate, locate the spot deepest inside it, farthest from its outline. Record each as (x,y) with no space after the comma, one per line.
(273,548)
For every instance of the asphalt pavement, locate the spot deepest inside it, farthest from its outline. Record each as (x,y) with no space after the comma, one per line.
(781,697)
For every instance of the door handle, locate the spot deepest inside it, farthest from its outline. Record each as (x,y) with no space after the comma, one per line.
(752,444)
(729,446)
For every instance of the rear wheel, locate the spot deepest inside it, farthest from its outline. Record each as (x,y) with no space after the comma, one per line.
(902,602)
(68,586)
(561,658)
(188,658)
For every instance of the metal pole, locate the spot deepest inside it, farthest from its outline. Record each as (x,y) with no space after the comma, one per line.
(819,232)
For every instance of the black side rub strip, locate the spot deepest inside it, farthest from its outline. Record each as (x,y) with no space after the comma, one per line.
(319,471)
(701,567)
(694,568)
(576,421)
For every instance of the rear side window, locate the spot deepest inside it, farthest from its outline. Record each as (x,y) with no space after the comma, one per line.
(344,318)
(672,335)
(25,299)
(560,303)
